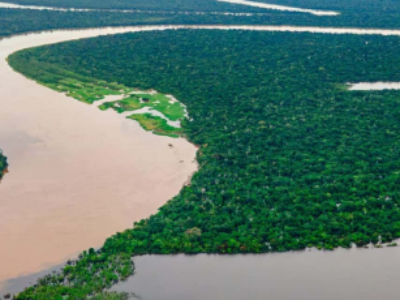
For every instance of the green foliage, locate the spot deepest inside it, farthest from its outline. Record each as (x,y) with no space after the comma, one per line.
(360,13)
(93,272)
(155,124)
(171,109)
(14,21)
(89,90)
(3,164)
(354,13)
(346,6)
(111,296)
(288,157)
(158,5)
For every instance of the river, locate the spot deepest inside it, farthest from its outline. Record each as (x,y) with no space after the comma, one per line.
(240,2)
(309,275)
(78,175)
(282,7)
(355,274)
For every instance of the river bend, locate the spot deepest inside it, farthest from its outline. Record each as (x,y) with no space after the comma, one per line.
(78,175)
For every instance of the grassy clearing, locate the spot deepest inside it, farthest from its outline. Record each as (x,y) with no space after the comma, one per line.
(157,125)
(89,90)
(174,111)
(92,91)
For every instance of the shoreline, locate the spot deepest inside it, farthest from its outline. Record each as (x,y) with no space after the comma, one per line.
(139,180)
(3,172)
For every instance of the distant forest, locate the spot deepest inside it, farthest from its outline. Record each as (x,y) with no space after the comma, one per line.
(365,13)
(16,21)
(382,6)
(354,13)
(288,158)
(163,5)
(344,6)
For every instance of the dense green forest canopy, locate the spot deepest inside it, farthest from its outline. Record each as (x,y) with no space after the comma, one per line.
(288,158)
(383,6)
(354,13)
(167,5)
(345,6)
(14,21)
(369,12)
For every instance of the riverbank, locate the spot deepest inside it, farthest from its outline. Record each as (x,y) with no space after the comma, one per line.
(305,275)
(95,172)
(280,275)
(3,165)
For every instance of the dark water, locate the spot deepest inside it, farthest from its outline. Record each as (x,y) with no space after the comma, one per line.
(367,274)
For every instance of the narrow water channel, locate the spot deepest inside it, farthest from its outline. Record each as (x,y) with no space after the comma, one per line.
(78,175)
(282,7)
(240,2)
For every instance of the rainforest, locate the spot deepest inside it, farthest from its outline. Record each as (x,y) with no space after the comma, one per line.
(362,14)
(159,5)
(288,157)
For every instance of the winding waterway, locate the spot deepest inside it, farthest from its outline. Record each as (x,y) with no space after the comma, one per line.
(374,86)
(78,175)
(282,7)
(36,7)
(240,2)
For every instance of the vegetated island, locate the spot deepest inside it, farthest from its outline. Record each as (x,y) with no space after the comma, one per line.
(3,165)
(288,158)
(155,112)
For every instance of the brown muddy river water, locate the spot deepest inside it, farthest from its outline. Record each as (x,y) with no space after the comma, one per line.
(78,175)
